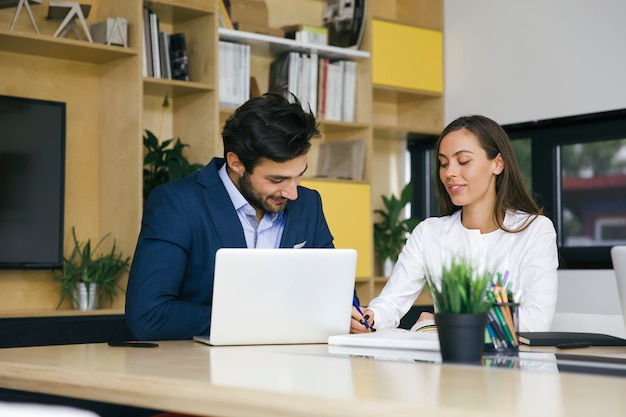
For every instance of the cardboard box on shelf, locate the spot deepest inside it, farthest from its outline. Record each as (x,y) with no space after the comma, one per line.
(249,11)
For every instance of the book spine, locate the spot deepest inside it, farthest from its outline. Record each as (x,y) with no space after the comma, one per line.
(294,73)
(323,74)
(246,75)
(147,51)
(303,87)
(144,58)
(221,73)
(313,81)
(164,51)
(334,90)
(231,97)
(349,91)
(154,41)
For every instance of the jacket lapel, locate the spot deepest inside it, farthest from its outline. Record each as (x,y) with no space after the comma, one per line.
(219,206)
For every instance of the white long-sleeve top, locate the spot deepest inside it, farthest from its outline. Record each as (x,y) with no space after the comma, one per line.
(530,257)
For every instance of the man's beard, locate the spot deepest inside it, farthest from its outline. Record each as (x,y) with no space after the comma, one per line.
(249,193)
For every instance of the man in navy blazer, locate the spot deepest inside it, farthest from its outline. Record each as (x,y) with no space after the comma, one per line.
(249,198)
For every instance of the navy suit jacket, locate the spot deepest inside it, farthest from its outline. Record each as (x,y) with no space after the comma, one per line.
(185,222)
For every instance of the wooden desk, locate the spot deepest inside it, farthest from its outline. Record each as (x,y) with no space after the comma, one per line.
(302,381)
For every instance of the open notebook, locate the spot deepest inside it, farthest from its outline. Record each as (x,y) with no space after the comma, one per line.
(281,296)
(389,339)
(565,339)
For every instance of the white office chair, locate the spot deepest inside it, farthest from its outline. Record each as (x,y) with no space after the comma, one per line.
(588,301)
(41,410)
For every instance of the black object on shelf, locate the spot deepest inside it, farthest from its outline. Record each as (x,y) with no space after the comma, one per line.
(178,57)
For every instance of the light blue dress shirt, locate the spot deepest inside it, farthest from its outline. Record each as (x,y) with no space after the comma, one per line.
(267,233)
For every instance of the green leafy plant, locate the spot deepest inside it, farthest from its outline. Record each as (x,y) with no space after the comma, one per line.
(462,289)
(391,232)
(83,265)
(163,162)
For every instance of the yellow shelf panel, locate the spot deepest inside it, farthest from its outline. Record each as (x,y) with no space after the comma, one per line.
(407,57)
(348,211)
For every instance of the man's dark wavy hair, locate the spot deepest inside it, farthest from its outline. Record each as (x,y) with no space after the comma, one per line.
(269,126)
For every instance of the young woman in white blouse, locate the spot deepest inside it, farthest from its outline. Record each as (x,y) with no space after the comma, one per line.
(489,217)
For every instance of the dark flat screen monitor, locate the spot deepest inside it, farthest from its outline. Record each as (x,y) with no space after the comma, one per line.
(32,174)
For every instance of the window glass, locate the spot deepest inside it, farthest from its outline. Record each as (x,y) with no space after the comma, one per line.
(593,193)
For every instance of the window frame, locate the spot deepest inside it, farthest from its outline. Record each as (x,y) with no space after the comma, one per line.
(547,137)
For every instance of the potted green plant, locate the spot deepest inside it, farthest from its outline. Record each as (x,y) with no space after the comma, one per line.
(390,233)
(461,308)
(163,162)
(89,278)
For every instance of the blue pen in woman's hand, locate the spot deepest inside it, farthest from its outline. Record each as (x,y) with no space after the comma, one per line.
(355,303)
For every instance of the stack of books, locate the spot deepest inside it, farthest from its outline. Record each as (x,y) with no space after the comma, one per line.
(327,87)
(164,55)
(234,74)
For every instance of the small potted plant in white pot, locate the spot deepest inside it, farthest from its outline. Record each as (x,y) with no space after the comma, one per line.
(461,308)
(89,279)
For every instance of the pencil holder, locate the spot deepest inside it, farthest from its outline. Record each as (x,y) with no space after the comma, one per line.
(502,328)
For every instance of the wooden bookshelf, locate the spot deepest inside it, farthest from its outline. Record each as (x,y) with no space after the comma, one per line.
(110,103)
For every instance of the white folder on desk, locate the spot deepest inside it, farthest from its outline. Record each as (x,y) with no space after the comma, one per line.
(392,339)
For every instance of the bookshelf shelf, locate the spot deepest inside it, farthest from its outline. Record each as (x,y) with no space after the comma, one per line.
(173,88)
(273,46)
(62,48)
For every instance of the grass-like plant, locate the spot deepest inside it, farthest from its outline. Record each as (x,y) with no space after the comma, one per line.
(461,290)
(83,265)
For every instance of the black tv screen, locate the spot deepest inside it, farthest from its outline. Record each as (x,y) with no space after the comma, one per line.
(32,173)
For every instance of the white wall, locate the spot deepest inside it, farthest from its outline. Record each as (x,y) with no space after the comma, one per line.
(518,61)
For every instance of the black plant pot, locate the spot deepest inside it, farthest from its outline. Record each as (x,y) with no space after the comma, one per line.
(461,337)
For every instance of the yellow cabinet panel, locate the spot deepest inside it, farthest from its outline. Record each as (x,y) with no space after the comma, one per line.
(348,211)
(407,57)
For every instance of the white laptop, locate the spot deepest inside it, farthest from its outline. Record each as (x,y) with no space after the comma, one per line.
(281,296)
(618,256)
